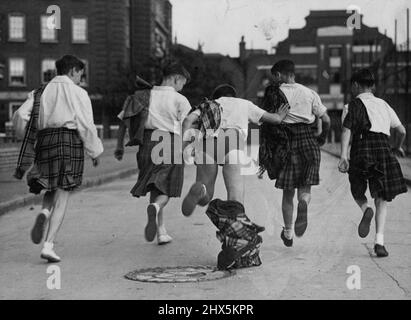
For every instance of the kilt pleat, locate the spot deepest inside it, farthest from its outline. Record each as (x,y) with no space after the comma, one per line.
(59,161)
(302,167)
(167,178)
(373,162)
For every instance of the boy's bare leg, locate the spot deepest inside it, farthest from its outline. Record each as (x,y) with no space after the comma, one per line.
(304,198)
(155,219)
(380,218)
(368,213)
(288,208)
(207,175)
(40,225)
(56,219)
(202,191)
(234,182)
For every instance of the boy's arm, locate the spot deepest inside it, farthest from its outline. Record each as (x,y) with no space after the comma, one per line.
(276,118)
(325,128)
(188,124)
(119,151)
(345,141)
(401,133)
(86,127)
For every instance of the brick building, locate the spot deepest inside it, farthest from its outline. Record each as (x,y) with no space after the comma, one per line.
(113,38)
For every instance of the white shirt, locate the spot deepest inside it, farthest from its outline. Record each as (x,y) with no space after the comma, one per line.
(65,104)
(167,110)
(237,113)
(380,113)
(305,104)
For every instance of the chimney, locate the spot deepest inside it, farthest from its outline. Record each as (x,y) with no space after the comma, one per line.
(242,49)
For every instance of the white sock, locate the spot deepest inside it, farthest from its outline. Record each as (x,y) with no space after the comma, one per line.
(288,233)
(46,212)
(365,207)
(379,239)
(162,230)
(48,245)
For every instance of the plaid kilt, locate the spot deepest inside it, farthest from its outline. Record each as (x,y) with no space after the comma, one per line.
(372,161)
(59,161)
(235,230)
(302,166)
(165,178)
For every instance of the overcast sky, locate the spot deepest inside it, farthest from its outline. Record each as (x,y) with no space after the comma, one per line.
(219,24)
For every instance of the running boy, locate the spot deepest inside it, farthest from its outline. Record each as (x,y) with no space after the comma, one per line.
(236,114)
(300,169)
(372,162)
(60,127)
(162,179)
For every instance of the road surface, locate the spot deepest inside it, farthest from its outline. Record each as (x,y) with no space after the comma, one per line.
(102,239)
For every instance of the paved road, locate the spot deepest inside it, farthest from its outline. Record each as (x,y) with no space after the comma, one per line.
(102,239)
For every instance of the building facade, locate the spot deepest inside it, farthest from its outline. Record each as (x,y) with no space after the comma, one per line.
(111,37)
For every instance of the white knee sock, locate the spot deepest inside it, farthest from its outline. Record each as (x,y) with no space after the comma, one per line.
(288,233)
(379,239)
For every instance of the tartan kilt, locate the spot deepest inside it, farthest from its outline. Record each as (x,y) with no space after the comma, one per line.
(59,161)
(373,162)
(166,178)
(235,230)
(302,167)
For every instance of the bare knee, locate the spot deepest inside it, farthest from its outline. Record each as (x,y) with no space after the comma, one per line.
(288,194)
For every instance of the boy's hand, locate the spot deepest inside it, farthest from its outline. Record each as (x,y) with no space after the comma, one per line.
(399,152)
(344,165)
(283,110)
(119,153)
(96,162)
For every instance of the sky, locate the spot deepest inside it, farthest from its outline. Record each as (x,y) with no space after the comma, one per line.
(219,24)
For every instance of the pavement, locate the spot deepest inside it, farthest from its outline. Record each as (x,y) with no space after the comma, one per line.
(15,193)
(102,239)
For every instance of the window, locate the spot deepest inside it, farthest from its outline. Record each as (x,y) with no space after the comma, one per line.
(47,34)
(16,27)
(17,72)
(85,77)
(48,70)
(79,30)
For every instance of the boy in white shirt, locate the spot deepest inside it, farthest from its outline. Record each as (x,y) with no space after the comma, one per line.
(302,164)
(236,114)
(372,163)
(163,179)
(60,126)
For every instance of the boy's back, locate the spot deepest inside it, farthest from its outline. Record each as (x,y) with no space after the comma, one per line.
(305,104)
(167,110)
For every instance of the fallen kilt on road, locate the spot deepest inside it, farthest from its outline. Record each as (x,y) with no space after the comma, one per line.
(238,235)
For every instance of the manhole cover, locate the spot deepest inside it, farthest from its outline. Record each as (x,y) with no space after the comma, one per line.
(178,274)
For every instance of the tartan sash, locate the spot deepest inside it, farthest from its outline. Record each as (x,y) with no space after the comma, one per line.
(210,118)
(27,151)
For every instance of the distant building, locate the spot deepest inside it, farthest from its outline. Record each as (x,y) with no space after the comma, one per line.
(111,37)
(325,52)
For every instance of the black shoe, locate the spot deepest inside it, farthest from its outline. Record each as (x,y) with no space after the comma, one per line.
(197,193)
(380,251)
(364,226)
(37,232)
(301,221)
(287,242)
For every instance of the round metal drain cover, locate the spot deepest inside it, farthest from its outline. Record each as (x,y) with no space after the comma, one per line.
(178,274)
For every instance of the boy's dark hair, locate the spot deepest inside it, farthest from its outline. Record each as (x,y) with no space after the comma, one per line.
(68,62)
(224,90)
(363,77)
(176,69)
(284,67)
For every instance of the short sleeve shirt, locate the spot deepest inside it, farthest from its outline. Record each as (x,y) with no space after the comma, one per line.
(305,103)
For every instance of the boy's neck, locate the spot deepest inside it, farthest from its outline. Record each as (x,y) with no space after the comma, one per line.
(364,90)
(168,83)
